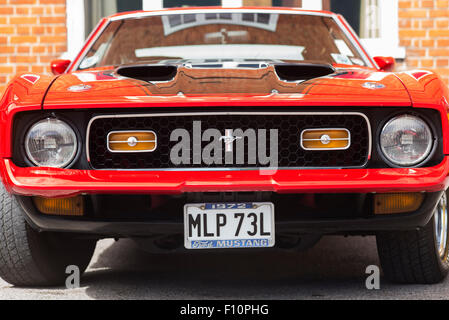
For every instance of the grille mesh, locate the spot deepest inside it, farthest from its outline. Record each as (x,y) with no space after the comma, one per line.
(290,153)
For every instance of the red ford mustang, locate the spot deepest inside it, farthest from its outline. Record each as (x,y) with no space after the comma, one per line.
(223,128)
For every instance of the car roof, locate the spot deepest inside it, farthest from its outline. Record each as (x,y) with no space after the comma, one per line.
(143,13)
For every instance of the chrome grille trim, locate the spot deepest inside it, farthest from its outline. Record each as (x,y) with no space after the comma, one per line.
(370,137)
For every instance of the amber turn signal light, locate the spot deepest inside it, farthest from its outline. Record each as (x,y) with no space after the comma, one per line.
(325,139)
(60,206)
(397,203)
(132,141)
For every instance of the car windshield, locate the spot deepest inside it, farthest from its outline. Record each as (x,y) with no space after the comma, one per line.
(222,37)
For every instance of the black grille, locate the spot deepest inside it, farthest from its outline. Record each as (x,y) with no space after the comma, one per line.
(290,153)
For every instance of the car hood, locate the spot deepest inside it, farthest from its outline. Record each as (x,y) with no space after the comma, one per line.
(184,86)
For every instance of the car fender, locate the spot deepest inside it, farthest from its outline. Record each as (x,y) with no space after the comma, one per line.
(24,92)
(428,90)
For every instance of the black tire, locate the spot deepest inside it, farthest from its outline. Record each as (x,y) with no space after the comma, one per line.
(29,258)
(413,257)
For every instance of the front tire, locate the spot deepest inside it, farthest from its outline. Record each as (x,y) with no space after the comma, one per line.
(29,258)
(418,256)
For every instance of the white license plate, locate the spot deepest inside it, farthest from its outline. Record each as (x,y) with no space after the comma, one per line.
(229,225)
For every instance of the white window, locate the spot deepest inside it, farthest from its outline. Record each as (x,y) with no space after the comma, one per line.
(381,31)
(232,3)
(312,5)
(153,4)
(76,32)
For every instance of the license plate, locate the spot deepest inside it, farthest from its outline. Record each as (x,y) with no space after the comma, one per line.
(229,225)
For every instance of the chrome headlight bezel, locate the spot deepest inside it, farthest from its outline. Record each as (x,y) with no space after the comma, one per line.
(74,154)
(427,155)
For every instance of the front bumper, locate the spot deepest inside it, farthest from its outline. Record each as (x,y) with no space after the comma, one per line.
(48,182)
(45,182)
(290,220)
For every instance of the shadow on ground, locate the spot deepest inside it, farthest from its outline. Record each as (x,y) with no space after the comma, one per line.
(335,268)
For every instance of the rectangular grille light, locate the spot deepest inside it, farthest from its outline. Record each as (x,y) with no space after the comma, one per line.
(325,139)
(132,141)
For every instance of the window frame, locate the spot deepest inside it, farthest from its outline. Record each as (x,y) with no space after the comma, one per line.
(388,42)
(75,22)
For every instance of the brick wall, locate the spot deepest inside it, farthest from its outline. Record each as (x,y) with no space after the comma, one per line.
(32,33)
(424,32)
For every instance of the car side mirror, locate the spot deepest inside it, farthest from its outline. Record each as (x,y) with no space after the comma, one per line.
(59,66)
(385,63)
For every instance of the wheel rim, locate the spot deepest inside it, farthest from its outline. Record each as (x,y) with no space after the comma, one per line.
(441,220)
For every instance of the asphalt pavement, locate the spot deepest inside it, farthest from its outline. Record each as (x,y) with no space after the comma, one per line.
(334,269)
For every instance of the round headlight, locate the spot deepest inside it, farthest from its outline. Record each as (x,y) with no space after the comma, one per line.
(51,143)
(406,140)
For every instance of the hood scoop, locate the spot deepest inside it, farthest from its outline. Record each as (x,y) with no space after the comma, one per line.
(173,79)
(149,73)
(302,72)
(285,72)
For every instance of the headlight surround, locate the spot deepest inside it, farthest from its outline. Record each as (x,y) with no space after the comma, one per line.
(51,143)
(406,140)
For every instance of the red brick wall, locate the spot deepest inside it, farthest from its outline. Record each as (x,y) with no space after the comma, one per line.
(424,32)
(32,33)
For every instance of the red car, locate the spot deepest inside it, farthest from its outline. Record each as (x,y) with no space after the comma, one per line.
(223,129)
